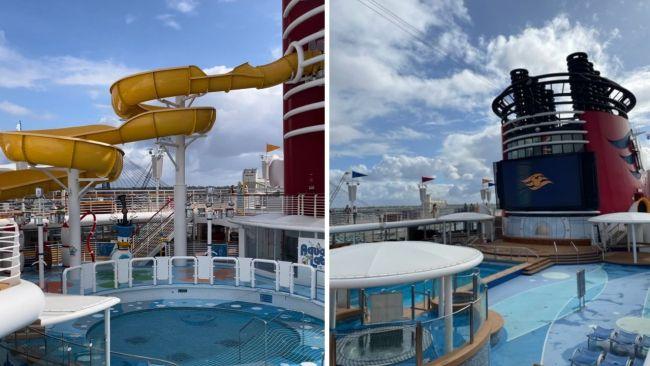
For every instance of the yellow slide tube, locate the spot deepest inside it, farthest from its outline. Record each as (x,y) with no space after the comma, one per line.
(129,93)
(89,148)
(63,152)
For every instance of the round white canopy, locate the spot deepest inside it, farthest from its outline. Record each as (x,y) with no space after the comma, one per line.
(466,216)
(396,262)
(623,218)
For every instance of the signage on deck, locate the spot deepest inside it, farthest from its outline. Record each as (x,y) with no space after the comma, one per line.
(311,252)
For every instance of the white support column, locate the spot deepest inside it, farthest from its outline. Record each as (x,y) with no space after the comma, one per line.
(41,254)
(242,241)
(107,335)
(74,217)
(333,301)
(441,297)
(448,295)
(180,198)
(633,229)
(209,246)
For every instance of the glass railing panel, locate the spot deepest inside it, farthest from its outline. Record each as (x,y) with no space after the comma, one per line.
(264,273)
(105,276)
(143,273)
(302,281)
(224,272)
(320,285)
(182,271)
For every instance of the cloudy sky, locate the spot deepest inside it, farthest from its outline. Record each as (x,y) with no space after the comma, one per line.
(415,100)
(58,59)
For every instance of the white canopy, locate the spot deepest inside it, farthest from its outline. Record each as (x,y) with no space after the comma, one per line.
(61,308)
(396,262)
(622,218)
(284,222)
(466,216)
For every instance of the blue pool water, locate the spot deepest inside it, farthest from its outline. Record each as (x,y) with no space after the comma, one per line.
(205,332)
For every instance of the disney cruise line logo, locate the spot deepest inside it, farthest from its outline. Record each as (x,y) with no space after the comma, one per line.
(536,181)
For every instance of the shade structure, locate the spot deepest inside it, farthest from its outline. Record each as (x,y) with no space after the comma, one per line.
(466,216)
(631,219)
(390,263)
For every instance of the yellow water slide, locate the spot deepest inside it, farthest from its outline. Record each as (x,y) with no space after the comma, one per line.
(90,149)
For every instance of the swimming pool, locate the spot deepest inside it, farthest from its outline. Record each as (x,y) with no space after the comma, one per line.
(204,332)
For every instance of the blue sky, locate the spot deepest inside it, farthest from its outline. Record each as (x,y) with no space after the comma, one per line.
(58,59)
(404,106)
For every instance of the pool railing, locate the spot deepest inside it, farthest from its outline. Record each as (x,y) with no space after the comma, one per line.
(428,341)
(39,347)
(296,279)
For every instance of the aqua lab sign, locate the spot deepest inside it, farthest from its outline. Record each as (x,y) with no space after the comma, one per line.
(311,252)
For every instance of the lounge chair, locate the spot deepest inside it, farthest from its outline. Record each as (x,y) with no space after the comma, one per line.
(625,343)
(586,357)
(599,334)
(614,360)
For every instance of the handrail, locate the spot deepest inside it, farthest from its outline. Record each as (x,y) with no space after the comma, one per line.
(144,259)
(183,257)
(10,250)
(95,264)
(239,346)
(64,279)
(269,261)
(577,251)
(312,285)
(66,341)
(235,260)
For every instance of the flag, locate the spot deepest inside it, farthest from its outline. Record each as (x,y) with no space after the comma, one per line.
(490,184)
(358,175)
(426,179)
(270,148)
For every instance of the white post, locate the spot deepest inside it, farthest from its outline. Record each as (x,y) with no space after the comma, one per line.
(74,217)
(448,295)
(209,216)
(107,335)
(634,243)
(242,241)
(333,301)
(41,255)
(180,194)
(441,297)
(444,233)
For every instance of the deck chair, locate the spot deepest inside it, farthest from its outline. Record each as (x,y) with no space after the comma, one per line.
(586,357)
(614,360)
(625,343)
(599,334)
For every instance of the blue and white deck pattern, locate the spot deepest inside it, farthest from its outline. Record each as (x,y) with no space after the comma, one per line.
(542,320)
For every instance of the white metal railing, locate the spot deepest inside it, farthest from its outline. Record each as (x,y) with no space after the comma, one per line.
(312,284)
(276,272)
(225,259)
(9,253)
(64,279)
(195,275)
(154,277)
(96,264)
(283,282)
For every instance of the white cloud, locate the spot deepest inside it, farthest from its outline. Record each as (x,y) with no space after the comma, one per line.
(169,20)
(18,71)
(378,72)
(13,109)
(183,6)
